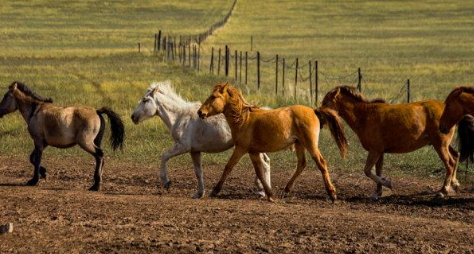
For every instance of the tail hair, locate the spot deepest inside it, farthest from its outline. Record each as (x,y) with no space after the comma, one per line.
(330,118)
(466,138)
(116,125)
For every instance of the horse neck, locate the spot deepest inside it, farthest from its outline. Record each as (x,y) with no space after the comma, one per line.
(26,106)
(349,109)
(169,111)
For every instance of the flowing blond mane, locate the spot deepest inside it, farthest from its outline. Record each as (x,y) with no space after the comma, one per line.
(237,105)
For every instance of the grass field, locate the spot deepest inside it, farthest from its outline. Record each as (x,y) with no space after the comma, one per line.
(85,53)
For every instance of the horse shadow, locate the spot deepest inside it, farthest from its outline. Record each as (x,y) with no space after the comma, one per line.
(14,185)
(421,199)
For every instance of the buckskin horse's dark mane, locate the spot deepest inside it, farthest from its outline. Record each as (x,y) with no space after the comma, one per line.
(26,90)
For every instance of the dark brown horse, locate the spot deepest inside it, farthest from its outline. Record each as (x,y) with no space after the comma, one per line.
(255,131)
(459,110)
(384,128)
(61,127)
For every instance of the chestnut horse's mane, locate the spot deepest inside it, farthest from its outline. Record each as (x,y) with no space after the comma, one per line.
(351,91)
(461,89)
(238,105)
(26,90)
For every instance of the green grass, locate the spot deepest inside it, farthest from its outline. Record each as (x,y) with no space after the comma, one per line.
(85,53)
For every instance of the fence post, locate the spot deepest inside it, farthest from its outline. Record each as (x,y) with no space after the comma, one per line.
(240,68)
(310,83)
(296,77)
(283,77)
(211,65)
(251,43)
(164,43)
(276,74)
(258,70)
(184,55)
(219,63)
(226,61)
(174,48)
(408,91)
(246,66)
(359,81)
(189,54)
(198,53)
(159,40)
(236,65)
(139,47)
(316,83)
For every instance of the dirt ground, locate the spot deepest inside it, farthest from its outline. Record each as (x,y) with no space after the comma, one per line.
(130,215)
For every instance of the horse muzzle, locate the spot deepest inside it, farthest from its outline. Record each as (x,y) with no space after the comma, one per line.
(202,115)
(134,119)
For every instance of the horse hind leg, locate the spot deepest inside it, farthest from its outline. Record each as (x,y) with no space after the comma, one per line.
(38,152)
(267,172)
(300,154)
(445,156)
(258,166)
(378,172)
(99,160)
(196,156)
(42,170)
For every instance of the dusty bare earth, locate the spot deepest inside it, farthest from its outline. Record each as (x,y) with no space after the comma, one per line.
(128,215)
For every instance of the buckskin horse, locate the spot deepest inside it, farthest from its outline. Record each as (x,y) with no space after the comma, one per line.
(255,131)
(61,127)
(384,128)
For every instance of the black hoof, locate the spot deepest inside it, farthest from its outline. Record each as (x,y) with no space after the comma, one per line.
(32,182)
(42,172)
(167,186)
(94,188)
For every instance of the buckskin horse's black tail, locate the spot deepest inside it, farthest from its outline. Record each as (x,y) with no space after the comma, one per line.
(116,125)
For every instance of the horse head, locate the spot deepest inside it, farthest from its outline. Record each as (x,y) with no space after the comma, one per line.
(146,107)
(8,103)
(453,110)
(217,101)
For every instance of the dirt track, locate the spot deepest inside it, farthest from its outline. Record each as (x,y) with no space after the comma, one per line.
(128,215)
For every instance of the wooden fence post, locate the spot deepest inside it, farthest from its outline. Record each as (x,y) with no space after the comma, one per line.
(240,68)
(310,83)
(276,74)
(184,55)
(283,77)
(159,40)
(258,70)
(211,65)
(164,43)
(226,61)
(296,77)
(139,47)
(189,54)
(246,66)
(198,53)
(359,81)
(408,91)
(235,65)
(316,83)
(219,63)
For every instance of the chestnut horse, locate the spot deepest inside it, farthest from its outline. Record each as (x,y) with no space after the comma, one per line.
(61,127)
(459,110)
(255,131)
(384,128)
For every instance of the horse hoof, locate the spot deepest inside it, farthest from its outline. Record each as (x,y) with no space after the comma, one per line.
(167,186)
(261,194)
(333,197)
(198,195)
(388,183)
(457,188)
(440,195)
(32,182)
(94,188)
(374,197)
(42,172)
(271,199)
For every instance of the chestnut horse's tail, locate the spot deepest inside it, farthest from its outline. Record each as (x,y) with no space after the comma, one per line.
(116,124)
(466,138)
(332,119)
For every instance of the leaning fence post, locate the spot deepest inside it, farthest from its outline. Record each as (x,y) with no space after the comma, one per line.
(226,61)
(283,77)
(159,40)
(219,63)
(258,70)
(296,77)
(316,83)
(246,66)
(408,90)
(276,74)
(359,81)
(310,83)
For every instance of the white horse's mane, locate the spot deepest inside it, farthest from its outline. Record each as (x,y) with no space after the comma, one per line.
(168,91)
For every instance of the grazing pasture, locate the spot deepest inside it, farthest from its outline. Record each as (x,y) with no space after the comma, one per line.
(85,53)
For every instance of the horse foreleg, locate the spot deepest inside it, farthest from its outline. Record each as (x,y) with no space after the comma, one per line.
(300,154)
(176,150)
(444,155)
(196,156)
(258,166)
(369,164)
(455,163)
(99,161)
(38,152)
(267,172)
(378,172)
(234,159)
(42,169)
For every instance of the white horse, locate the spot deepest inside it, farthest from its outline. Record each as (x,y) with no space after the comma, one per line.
(190,133)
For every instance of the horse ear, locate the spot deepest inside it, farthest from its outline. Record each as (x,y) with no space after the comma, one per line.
(224,88)
(337,92)
(13,86)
